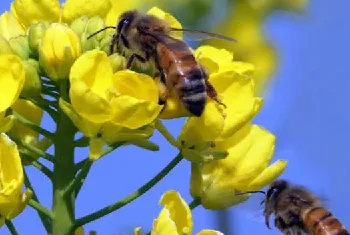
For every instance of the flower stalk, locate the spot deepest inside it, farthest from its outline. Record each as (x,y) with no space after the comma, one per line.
(131,197)
(64,172)
(45,221)
(11,227)
(32,126)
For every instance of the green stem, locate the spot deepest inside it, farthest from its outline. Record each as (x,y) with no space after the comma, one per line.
(167,135)
(37,151)
(145,144)
(131,197)
(11,227)
(82,142)
(46,171)
(64,171)
(40,208)
(51,93)
(43,218)
(195,203)
(32,126)
(106,151)
(41,104)
(76,183)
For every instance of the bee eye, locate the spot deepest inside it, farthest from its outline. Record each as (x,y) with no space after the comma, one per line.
(126,21)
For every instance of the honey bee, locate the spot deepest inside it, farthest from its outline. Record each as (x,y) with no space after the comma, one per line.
(149,38)
(297,210)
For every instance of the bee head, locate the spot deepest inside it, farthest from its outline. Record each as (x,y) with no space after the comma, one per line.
(275,188)
(125,20)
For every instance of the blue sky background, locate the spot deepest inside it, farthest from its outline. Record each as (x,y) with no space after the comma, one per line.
(306,107)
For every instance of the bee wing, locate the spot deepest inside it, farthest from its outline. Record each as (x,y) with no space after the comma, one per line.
(197,35)
(251,209)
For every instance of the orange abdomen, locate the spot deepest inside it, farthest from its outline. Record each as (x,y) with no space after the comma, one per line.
(319,221)
(183,74)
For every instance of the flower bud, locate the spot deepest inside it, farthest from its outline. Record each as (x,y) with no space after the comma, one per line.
(58,50)
(117,61)
(20,47)
(35,34)
(105,42)
(84,27)
(32,84)
(4,46)
(79,25)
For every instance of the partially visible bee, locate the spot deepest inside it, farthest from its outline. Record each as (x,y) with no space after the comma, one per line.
(297,210)
(148,37)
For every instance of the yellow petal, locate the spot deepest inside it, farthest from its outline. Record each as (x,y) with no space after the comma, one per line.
(11,80)
(213,58)
(89,129)
(134,113)
(204,128)
(21,204)
(248,158)
(139,86)
(119,7)
(172,21)
(6,123)
(88,104)
(137,103)
(91,83)
(179,211)
(32,11)
(11,176)
(112,133)
(73,9)
(237,93)
(9,26)
(95,146)
(268,175)
(58,50)
(209,232)
(164,224)
(220,195)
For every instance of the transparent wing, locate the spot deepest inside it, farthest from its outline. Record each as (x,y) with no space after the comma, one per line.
(197,35)
(251,209)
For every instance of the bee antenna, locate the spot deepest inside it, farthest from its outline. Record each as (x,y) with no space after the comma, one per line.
(101,30)
(246,192)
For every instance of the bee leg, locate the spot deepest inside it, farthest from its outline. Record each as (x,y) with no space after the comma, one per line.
(212,93)
(114,41)
(162,88)
(282,226)
(135,56)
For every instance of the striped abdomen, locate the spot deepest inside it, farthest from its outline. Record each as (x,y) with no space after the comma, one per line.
(183,74)
(319,221)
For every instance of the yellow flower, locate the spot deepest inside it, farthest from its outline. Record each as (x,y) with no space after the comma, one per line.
(245,168)
(124,98)
(73,9)
(118,7)
(59,48)
(101,133)
(30,12)
(235,89)
(4,46)
(9,26)
(175,218)
(12,201)
(11,80)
